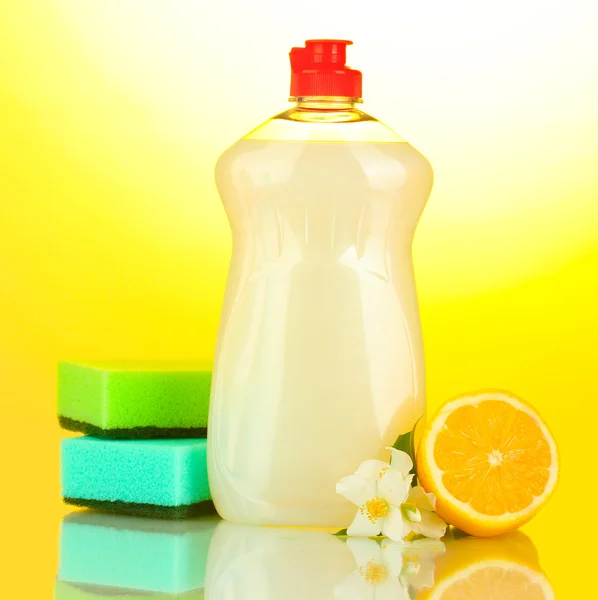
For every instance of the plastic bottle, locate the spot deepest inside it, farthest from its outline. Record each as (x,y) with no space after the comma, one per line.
(319,362)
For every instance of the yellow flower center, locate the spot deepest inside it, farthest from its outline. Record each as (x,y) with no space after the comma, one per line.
(374,573)
(376,509)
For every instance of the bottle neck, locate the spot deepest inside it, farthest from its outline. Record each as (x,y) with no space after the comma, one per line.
(325,103)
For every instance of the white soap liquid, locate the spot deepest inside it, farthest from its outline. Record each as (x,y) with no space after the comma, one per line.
(319,363)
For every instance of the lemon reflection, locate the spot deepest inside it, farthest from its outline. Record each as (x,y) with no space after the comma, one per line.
(506,566)
(117,556)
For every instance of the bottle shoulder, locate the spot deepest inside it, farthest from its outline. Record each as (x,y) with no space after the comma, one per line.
(296,124)
(348,137)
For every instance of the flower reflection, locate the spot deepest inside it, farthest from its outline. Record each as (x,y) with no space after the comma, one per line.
(377,574)
(419,559)
(389,570)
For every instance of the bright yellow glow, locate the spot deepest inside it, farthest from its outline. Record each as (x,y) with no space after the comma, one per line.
(114,244)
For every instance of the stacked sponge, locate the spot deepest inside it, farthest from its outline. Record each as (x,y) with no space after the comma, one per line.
(145,452)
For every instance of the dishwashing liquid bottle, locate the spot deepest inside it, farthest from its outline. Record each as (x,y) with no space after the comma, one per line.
(319,362)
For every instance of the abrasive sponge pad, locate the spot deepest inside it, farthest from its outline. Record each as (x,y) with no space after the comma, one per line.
(157,478)
(120,555)
(135,399)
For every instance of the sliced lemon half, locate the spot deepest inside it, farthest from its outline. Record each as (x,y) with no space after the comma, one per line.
(490,460)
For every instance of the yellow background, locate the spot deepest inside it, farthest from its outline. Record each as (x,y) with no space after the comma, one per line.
(113,242)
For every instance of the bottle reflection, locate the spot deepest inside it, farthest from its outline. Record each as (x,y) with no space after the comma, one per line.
(106,555)
(248,561)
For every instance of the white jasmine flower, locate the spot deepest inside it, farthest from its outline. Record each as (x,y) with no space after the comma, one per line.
(379,489)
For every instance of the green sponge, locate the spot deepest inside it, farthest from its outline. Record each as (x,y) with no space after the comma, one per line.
(103,555)
(158,478)
(134,399)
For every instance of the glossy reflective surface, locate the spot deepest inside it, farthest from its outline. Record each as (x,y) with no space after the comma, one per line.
(119,556)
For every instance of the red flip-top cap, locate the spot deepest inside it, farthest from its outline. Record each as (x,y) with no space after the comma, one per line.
(319,69)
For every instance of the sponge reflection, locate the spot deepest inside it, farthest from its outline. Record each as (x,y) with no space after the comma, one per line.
(118,556)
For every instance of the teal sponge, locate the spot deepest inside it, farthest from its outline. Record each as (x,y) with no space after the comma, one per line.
(161,478)
(127,556)
(130,400)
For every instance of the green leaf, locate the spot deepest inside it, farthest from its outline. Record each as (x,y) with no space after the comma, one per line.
(406,443)
(341,533)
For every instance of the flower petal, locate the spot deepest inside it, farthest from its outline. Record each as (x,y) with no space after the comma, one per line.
(356,489)
(392,557)
(391,589)
(364,550)
(394,487)
(354,587)
(371,469)
(394,525)
(400,460)
(362,526)
(420,498)
(431,525)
